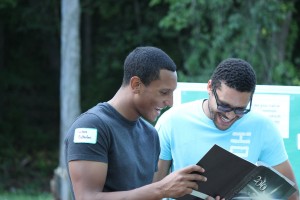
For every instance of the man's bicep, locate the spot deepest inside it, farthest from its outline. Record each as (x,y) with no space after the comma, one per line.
(87,177)
(163,169)
(285,169)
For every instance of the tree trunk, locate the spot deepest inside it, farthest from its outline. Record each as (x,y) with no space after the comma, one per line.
(1,45)
(87,40)
(69,84)
(282,37)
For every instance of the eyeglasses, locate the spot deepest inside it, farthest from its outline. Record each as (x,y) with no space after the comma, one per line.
(226,108)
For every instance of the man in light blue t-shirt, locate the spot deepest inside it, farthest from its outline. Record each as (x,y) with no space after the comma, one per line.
(188,131)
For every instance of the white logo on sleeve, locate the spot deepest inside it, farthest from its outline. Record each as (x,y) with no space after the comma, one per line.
(85,135)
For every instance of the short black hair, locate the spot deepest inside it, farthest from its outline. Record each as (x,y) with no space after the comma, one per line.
(235,73)
(146,63)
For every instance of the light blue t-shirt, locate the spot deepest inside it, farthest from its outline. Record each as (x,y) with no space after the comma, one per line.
(186,134)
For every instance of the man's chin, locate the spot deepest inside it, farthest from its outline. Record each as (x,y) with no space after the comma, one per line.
(150,119)
(222,128)
(221,125)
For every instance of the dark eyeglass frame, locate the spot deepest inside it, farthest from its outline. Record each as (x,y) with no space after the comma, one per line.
(237,111)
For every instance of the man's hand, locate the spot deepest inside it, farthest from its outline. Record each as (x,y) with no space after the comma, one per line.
(182,182)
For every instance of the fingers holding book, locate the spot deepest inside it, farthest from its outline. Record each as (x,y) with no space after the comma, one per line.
(184,181)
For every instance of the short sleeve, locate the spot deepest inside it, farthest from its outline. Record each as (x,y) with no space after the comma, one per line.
(273,151)
(93,151)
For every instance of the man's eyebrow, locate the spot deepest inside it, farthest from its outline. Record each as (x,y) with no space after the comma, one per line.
(166,89)
(223,102)
(229,105)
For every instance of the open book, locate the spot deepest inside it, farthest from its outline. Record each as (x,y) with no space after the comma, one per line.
(232,177)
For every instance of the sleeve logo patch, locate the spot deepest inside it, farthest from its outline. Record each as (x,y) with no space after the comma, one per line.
(85,135)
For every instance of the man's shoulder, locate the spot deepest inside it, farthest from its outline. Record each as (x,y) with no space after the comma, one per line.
(259,116)
(180,111)
(258,120)
(186,105)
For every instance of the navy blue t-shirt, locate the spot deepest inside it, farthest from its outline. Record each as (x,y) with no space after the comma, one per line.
(130,148)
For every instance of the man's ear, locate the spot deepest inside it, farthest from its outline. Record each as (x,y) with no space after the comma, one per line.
(135,84)
(209,87)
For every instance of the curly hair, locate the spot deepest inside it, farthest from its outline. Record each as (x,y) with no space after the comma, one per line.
(235,73)
(146,63)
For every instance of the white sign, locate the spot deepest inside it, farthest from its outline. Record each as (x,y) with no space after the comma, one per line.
(276,107)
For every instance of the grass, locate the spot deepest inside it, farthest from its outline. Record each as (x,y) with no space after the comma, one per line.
(22,196)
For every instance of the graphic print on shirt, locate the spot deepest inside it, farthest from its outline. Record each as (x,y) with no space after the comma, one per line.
(239,144)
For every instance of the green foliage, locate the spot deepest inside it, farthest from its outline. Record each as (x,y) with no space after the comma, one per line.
(213,30)
(197,34)
(24,196)
(4,4)
(117,29)
(29,79)
(29,172)
(287,74)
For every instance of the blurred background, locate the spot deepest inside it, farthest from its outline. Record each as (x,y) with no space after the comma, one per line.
(197,34)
